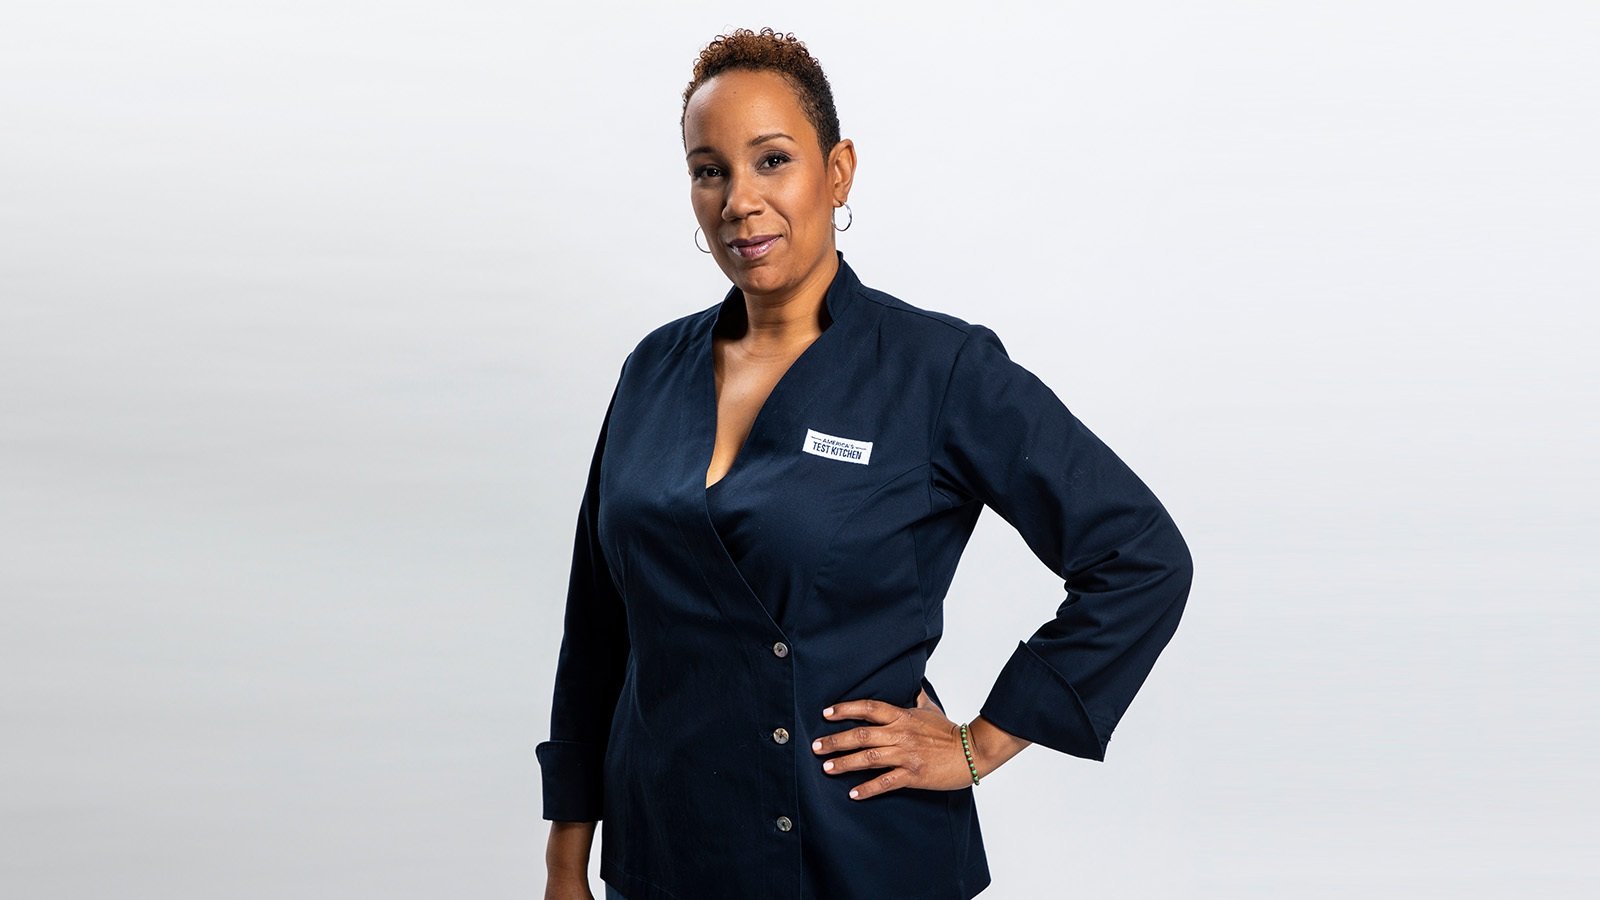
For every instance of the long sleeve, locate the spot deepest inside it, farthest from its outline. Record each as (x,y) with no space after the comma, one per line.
(1005,439)
(590,669)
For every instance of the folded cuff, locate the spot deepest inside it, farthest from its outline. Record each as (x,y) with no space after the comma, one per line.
(573,778)
(1033,701)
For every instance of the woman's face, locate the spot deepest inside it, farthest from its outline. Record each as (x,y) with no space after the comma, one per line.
(756,173)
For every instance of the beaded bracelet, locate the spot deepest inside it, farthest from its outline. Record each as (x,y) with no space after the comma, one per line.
(967,746)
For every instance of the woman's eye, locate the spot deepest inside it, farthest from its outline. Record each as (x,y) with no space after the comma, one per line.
(704,171)
(776,156)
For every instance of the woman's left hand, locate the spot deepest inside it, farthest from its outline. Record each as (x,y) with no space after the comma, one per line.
(919,746)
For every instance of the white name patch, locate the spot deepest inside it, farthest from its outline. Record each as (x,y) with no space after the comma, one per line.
(834,447)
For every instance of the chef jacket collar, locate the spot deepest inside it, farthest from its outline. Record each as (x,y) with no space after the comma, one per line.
(838,299)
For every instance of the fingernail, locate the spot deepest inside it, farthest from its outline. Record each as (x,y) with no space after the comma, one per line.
(816,745)
(827,712)
(827,766)
(854,793)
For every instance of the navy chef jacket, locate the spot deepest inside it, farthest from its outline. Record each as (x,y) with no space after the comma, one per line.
(690,685)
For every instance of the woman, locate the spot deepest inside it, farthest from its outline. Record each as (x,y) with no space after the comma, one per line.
(782,486)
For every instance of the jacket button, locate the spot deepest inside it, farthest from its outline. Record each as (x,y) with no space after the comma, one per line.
(781,735)
(784,824)
(780,649)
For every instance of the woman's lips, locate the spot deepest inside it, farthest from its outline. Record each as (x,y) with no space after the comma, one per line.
(752,251)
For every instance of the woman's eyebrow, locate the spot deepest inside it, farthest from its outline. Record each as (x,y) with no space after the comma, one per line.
(758,139)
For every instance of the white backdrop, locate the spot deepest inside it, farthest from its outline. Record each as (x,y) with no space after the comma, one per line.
(309,312)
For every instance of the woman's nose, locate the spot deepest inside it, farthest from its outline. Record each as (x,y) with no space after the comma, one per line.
(744,198)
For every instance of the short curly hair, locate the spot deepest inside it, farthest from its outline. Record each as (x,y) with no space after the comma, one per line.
(775,52)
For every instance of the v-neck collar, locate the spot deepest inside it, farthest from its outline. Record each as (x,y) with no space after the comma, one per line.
(839,300)
(698,430)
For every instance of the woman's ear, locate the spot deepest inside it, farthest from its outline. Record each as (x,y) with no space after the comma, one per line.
(842,169)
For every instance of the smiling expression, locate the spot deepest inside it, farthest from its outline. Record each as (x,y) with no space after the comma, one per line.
(761,188)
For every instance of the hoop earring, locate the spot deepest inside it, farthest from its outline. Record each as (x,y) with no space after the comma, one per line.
(697,241)
(848,222)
